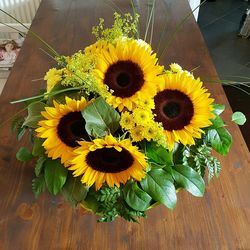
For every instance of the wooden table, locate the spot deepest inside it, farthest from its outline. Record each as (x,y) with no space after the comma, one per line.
(221,220)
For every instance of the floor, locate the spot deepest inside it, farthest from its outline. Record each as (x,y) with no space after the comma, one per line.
(219,23)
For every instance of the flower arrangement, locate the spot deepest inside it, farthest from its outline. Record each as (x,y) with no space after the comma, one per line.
(118,133)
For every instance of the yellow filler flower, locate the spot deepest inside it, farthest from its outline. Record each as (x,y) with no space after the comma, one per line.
(183,107)
(62,128)
(130,70)
(108,160)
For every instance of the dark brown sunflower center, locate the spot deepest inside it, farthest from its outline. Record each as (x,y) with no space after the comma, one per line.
(125,78)
(109,160)
(71,129)
(173,109)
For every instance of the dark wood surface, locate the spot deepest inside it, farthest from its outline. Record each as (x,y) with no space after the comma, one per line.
(221,220)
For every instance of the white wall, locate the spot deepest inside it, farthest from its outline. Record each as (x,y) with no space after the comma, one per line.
(193,5)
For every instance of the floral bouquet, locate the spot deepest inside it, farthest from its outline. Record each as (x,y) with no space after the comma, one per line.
(117,133)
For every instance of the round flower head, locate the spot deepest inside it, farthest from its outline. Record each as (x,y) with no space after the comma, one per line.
(130,71)
(183,107)
(53,76)
(108,160)
(62,128)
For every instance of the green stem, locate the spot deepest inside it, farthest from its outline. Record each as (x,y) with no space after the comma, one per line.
(33,33)
(149,21)
(178,28)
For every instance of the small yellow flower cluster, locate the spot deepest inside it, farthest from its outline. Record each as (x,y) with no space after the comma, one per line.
(53,76)
(141,125)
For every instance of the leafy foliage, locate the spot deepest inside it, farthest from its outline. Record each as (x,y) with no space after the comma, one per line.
(220,140)
(18,128)
(24,154)
(100,118)
(110,203)
(158,154)
(160,186)
(55,175)
(239,118)
(189,179)
(74,191)
(135,197)
(34,114)
(38,185)
(200,159)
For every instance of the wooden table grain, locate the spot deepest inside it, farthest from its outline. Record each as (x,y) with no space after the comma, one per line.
(221,220)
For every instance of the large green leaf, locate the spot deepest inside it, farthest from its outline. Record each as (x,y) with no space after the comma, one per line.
(24,154)
(239,118)
(74,191)
(159,185)
(218,108)
(217,122)
(38,149)
(189,179)
(34,114)
(55,175)
(39,165)
(100,118)
(158,154)
(135,197)
(220,140)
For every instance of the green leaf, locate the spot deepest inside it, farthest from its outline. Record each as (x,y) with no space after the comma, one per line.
(189,179)
(55,175)
(158,154)
(38,185)
(20,133)
(34,114)
(220,140)
(218,108)
(39,165)
(159,185)
(24,154)
(239,118)
(100,118)
(217,122)
(135,197)
(74,191)
(38,149)
(60,97)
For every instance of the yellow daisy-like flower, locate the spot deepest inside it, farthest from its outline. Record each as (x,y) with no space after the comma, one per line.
(142,116)
(136,133)
(127,120)
(53,76)
(108,160)
(62,128)
(184,107)
(146,103)
(175,68)
(130,71)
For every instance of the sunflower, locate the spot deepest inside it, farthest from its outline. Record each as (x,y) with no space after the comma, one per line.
(108,160)
(130,71)
(183,107)
(63,127)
